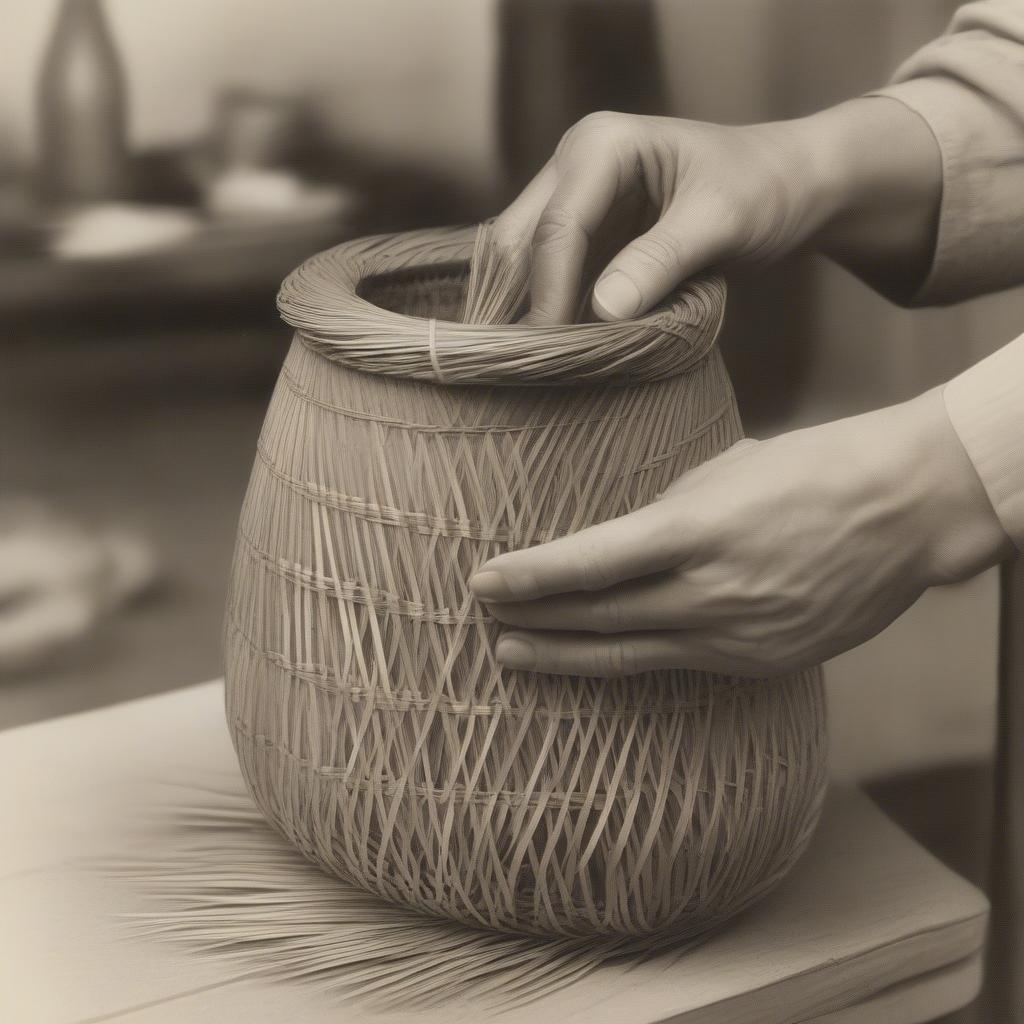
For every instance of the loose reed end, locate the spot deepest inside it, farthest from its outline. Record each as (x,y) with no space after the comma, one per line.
(499,280)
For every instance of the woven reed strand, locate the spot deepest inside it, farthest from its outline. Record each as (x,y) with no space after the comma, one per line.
(373,725)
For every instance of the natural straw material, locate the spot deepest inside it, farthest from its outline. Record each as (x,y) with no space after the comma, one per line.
(211,876)
(367,306)
(373,725)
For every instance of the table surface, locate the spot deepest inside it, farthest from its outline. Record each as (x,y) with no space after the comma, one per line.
(869,927)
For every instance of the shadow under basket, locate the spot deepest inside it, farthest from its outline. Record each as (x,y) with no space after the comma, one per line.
(403,449)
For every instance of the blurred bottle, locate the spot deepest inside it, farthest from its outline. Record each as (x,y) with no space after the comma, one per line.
(82,108)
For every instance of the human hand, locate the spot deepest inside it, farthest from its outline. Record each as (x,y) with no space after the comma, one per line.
(774,556)
(663,198)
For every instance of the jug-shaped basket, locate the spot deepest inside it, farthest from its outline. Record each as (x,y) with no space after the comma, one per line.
(401,450)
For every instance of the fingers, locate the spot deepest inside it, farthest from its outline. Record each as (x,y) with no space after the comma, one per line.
(557,215)
(514,227)
(588,654)
(646,541)
(579,203)
(685,241)
(661,601)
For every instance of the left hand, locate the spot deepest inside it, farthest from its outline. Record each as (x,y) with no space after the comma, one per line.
(772,557)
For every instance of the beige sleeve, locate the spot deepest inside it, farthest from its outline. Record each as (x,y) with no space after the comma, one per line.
(968,85)
(986,407)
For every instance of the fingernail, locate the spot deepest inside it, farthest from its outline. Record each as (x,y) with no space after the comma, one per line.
(490,586)
(515,652)
(616,297)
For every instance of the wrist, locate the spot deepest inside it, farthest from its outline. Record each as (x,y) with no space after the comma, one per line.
(819,143)
(802,153)
(878,172)
(950,510)
(872,155)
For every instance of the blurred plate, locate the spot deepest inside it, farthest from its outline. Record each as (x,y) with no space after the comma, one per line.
(221,257)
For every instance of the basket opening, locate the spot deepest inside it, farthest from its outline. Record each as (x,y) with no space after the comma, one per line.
(446,305)
(434,290)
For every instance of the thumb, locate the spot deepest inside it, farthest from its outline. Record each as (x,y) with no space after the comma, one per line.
(647,269)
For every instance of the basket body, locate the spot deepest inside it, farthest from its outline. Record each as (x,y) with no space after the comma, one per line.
(377,732)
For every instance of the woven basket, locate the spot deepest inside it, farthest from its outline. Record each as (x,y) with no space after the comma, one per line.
(372,723)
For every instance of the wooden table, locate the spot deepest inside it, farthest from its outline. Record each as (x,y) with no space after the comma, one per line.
(868,928)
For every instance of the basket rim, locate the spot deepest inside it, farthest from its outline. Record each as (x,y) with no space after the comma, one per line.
(320,299)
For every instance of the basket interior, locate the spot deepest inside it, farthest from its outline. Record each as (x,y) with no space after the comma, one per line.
(435,290)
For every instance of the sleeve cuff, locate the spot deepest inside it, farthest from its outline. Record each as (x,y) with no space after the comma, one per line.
(940,104)
(986,407)
(966,85)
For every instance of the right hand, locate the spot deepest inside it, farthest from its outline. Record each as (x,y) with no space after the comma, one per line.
(664,198)
(714,194)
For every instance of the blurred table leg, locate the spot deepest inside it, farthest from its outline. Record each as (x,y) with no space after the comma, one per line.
(1004,992)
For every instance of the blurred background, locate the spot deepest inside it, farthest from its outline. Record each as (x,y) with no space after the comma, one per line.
(164,164)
